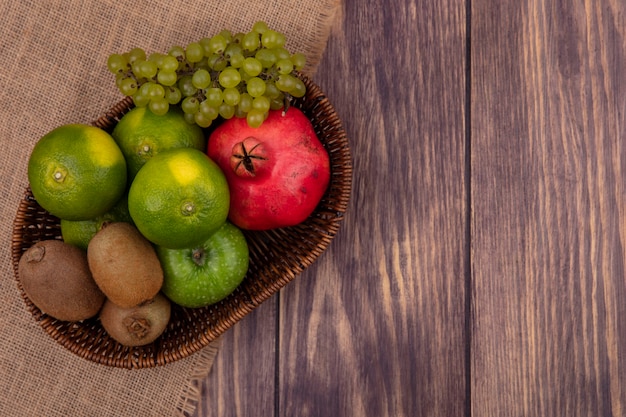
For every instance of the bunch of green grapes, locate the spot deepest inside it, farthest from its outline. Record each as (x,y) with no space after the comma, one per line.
(227,75)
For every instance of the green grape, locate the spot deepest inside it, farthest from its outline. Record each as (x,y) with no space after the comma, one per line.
(234,55)
(190,105)
(128,86)
(299,61)
(156,57)
(251,41)
(167,78)
(226,111)
(281,53)
(259,27)
(252,66)
(141,100)
(117,63)
(285,82)
(177,52)
(226,34)
(216,62)
(194,52)
(236,60)
(237,38)
(208,111)
(271,91)
(277,103)
(119,77)
(200,119)
(145,88)
(244,75)
(245,102)
(284,66)
(255,87)
(231,96)
(147,69)
(229,77)
(186,86)
(218,44)
(136,54)
(156,91)
(233,49)
(272,39)
(189,118)
(240,114)
(173,94)
(214,97)
(261,104)
(266,57)
(135,67)
(159,106)
(168,64)
(201,79)
(299,89)
(255,118)
(204,42)
(212,60)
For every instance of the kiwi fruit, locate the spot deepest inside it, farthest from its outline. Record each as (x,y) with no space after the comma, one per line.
(136,326)
(56,278)
(124,264)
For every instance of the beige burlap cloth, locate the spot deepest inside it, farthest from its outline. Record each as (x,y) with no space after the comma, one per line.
(53,71)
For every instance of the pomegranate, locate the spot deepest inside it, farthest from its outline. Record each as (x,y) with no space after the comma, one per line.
(277,173)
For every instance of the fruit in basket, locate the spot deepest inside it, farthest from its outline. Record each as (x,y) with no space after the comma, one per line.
(207,273)
(56,278)
(141,134)
(227,74)
(77,172)
(136,326)
(277,173)
(80,232)
(179,198)
(124,265)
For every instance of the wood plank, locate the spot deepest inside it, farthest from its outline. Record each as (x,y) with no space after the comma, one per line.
(376,326)
(242,380)
(548,106)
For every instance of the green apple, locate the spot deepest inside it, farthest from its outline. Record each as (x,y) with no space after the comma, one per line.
(206,274)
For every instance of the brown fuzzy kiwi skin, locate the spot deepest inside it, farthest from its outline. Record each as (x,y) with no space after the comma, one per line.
(124,264)
(56,278)
(136,326)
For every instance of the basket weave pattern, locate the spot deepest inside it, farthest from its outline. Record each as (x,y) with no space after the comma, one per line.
(276,257)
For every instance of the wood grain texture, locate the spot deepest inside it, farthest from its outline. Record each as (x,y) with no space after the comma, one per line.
(376,328)
(242,379)
(548,106)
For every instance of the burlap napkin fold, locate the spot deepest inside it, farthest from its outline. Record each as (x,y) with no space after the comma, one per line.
(53,71)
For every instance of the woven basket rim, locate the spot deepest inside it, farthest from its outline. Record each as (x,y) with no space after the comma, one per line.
(276,257)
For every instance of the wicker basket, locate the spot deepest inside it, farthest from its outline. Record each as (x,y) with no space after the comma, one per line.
(276,257)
